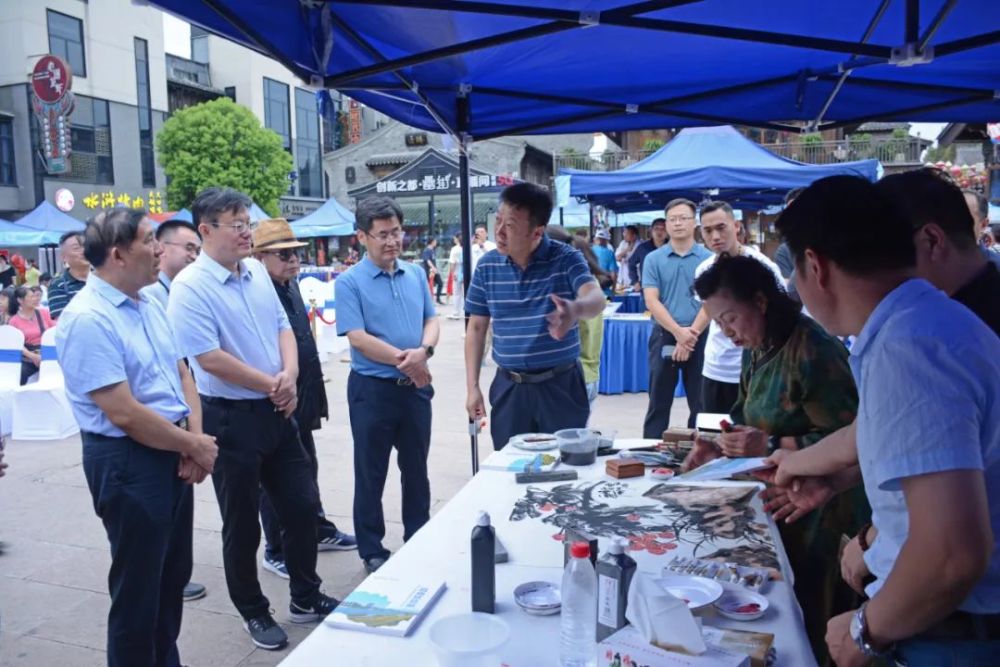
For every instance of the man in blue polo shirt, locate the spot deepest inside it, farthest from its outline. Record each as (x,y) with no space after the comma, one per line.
(534,291)
(140,423)
(676,343)
(385,308)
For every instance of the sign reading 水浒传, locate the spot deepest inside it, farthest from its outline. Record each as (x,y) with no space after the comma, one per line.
(432,172)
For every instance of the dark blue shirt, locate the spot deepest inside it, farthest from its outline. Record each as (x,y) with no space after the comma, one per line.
(673,275)
(518,301)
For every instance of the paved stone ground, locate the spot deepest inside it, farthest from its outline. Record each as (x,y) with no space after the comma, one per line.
(53,569)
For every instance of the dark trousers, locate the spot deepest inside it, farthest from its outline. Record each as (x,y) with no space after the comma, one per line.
(259,447)
(546,407)
(386,415)
(147,512)
(663,381)
(718,397)
(269,518)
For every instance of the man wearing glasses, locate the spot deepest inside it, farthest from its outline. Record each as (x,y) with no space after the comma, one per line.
(676,343)
(231,326)
(278,250)
(385,308)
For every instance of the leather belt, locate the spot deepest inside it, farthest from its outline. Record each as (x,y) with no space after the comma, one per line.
(963,625)
(534,377)
(259,405)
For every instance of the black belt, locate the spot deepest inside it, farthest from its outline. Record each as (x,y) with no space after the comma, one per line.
(182,423)
(963,625)
(258,405)
(399,382)
(534,377)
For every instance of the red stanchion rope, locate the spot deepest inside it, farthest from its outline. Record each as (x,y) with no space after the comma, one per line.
(321,318)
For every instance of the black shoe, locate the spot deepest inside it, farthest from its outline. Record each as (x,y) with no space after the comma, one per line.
(193,591)
(374,563)
(319,609)
(265,633)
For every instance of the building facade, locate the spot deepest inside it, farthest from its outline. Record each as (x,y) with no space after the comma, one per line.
(115,50)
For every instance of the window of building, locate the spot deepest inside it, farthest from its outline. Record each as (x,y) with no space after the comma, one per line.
(309,159)
(147,161)
(7,174)
(91,141)
(231,92)
(66,41)
(276,111)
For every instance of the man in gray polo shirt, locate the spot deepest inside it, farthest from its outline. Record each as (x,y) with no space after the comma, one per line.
(676,343)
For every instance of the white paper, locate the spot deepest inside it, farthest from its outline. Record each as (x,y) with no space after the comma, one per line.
(662,618)
(724,468)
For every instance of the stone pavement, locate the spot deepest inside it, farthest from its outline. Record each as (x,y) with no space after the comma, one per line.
(53,569)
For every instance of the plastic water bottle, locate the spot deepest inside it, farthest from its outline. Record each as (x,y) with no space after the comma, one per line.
(577,647)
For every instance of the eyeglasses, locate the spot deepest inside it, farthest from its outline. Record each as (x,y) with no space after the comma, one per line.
(382,237)
(680,218)
(188,247)
(285,254)
(241,227)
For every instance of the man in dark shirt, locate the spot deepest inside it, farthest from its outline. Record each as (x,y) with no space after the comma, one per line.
(72,280)
(657,238)
(428,260)
(948,253)
(277,249)
(7,272)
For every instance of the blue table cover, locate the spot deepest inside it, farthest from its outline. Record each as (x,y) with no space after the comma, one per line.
(624,357)
(630,303)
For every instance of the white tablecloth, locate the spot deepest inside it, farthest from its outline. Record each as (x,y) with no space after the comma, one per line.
(440,550)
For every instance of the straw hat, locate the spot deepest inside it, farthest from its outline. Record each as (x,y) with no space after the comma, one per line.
(275,234)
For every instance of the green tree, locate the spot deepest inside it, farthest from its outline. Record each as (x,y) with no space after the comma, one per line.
(652,145)
(220,143)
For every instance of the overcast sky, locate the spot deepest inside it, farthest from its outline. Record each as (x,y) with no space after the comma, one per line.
(177,41)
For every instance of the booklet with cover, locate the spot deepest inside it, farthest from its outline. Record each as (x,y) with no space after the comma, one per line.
(724,468)
(512,459)
(386,605)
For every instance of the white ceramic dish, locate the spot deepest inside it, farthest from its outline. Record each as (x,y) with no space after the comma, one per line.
(697,592)
(543,442)
(740,604)
(538,598)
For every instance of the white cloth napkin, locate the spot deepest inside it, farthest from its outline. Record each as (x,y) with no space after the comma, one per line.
(661,618)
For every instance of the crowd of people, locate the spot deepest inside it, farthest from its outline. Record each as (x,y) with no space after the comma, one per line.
(187,352)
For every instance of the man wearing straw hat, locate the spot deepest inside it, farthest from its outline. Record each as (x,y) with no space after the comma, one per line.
(278,250)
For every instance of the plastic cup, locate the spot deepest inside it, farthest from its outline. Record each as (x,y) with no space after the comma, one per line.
(466,640)
(577,446)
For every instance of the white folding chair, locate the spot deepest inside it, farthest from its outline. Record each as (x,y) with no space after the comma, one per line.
(11,344)
(41,410)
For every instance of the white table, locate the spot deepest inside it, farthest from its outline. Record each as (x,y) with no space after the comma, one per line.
(440,550)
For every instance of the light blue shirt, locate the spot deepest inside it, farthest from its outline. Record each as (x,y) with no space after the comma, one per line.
(105,337)
(210,308)
(393,308)
(928,375)
(673,274)
(160,290)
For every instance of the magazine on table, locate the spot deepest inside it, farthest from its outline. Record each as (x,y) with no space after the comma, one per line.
(724,468)
(386,605)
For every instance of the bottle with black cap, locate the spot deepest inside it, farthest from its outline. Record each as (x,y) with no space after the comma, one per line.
(483,565)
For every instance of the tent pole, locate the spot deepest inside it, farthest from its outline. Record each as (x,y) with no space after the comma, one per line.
(463,116)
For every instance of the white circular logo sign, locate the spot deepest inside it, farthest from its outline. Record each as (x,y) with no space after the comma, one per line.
(64,200)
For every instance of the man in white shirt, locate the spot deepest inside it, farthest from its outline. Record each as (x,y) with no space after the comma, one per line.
(481,245)
(624,252)
(457,278)
(723,359)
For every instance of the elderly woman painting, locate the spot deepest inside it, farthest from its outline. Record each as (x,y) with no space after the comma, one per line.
(795,388)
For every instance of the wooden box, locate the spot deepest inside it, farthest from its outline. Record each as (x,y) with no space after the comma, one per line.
(622,468)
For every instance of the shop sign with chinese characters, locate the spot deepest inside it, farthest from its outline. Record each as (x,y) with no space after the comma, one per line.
(152,201)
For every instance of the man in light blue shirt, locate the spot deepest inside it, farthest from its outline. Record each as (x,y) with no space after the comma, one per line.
(927,431)
(231,326)
(140,422)
(676,344)
(385,308)
(181,245)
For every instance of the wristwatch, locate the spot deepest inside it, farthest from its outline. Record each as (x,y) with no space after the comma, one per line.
(429,349)
(859,633)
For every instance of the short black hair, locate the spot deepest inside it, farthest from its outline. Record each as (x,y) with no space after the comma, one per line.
(375,208)
(69,235)
(982,204)
(210,202)
(744,278)
(658,221)
(117,227)
(712,206)
(170,226)
(45,276)
(632,228)
(851,222)
(927,195)
(532,198)
(680,201)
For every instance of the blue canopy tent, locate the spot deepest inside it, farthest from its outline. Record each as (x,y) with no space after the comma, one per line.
(47,218)
(707,161)
(330,219)
(257,213)
(484,69)
(13,235)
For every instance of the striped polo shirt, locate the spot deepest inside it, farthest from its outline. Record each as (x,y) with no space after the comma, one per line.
(518,300)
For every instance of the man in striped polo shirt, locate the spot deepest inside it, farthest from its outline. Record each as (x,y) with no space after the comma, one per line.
(535,291)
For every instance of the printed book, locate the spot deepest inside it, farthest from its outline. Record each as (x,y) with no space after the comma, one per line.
(386,605)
